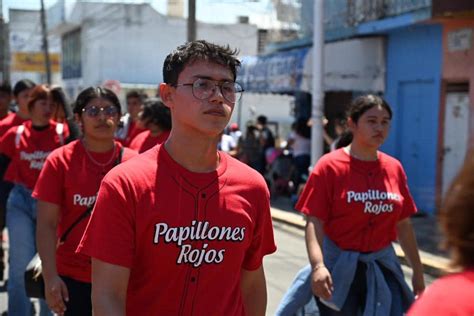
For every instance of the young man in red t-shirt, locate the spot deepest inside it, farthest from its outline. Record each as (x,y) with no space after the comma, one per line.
(130,128)
(182,229)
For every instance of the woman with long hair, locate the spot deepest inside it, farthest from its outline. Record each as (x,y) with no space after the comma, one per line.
(357,203)
(66,192)
(26,146)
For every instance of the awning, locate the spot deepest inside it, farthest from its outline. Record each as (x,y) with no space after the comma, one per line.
(280,72)
(350,65)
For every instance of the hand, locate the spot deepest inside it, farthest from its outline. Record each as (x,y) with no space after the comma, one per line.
(418,283)
(321,283)
(56,295)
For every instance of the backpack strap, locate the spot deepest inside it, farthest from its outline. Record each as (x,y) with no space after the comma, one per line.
(60,132)
(19,131)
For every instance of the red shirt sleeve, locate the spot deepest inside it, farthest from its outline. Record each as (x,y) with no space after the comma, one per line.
(263,242)
(7,143)
(314,199)
(409,207)
(50,183)
(109,235)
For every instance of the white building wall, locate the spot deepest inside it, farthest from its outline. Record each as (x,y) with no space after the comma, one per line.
(129,43)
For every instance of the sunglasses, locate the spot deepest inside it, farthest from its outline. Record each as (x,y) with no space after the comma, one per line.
(94,111)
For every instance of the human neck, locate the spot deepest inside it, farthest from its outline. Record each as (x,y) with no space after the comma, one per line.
(155,131)
(98,145)
(38,122)
(195,155)
(362,153)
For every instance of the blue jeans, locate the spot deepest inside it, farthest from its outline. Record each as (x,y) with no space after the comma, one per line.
(21,223)
(298,299)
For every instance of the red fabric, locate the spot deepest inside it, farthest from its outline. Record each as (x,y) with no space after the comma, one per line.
(451,295)
(28,159)
(144,141)
(359,202)
(147,203)
(133,131)
(71,180)
(9,121)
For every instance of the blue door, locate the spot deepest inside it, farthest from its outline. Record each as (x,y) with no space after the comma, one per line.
(417,137)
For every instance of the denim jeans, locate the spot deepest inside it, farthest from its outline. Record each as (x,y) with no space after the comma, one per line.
(21,224)
(298,299)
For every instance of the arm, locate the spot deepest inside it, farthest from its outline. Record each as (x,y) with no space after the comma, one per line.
(254,291)
(406,237)
(109,288)
(55,289)
(321,282)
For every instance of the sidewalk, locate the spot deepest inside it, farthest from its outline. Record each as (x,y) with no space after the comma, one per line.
(434,260)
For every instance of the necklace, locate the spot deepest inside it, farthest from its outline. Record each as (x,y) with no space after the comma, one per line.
(100,164)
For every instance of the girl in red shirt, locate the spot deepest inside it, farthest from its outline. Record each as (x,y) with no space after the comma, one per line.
(357,203)
(66,192)
(26,146)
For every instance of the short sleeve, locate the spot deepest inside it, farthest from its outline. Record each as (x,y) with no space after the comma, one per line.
(263,242)
(109,235)
(409,207)
(314,200)
(50,184)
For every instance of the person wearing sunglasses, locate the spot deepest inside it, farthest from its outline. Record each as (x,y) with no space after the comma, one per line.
(26,146)
(66,191)
(183,223)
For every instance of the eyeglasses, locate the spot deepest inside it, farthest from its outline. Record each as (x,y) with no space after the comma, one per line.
(205,88)
(94,111)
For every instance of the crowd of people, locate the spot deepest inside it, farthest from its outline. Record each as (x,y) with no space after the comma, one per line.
(167,207)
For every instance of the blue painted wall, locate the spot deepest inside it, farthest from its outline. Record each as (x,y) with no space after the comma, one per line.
(414,61)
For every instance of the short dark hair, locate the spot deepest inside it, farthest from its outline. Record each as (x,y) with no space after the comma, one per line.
(364,103)
(456,217)
(193,51)
(91,93)
(22,85)
(6,87)
(155,112)
(135,94)
(262,119)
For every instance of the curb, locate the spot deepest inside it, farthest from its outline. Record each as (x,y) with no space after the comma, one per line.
(433,265)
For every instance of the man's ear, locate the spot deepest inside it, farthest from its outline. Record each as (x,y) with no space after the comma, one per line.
(166,94)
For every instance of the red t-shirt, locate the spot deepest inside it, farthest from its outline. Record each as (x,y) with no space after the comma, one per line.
(9,121)
(71,180)
(451,295)
(359,202)
(133,131)
(184,236)
(28,158)
(144,141)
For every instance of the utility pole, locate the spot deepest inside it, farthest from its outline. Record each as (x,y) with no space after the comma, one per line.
(317,109)
(3,47)
(191,20)
(47,62)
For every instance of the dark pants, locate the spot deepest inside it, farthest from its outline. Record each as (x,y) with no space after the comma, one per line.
(355,302)
(80,303)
